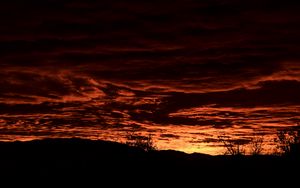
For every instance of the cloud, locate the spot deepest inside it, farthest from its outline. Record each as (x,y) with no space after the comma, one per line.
(44,86)
(166,46)
(267,93)
(169,136)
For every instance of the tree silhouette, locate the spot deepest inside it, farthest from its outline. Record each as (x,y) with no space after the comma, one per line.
(256,145)
(233,147)
(288,141)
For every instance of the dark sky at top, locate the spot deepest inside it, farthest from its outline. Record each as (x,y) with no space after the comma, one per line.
(112,64)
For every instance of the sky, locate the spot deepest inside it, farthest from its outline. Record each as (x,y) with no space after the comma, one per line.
(185,71)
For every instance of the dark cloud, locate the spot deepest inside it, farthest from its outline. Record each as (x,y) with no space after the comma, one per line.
(169,136)
(266,94)
(44,108)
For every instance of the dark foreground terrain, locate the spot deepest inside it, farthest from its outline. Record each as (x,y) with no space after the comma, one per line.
(78,159)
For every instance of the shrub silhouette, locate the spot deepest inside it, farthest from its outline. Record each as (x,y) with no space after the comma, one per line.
(144,142)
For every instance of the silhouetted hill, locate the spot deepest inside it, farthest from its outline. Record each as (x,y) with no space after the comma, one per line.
(78,158)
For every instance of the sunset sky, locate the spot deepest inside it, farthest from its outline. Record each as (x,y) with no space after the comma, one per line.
(186,71)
